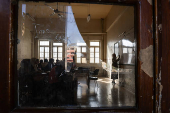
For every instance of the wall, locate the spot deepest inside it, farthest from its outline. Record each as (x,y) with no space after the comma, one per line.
(51,27)
(117,22)
(24,48)
(93,26)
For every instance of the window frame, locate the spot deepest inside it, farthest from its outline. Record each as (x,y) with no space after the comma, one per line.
(44,48)
(81,54)
(95,50)
(139,10)
(57,46)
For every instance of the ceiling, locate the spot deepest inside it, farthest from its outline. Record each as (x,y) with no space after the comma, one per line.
(80,10)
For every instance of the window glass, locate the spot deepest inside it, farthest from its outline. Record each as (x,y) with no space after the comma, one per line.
(91,49)
(125,50)
(41,55)
(55,55)
(96,49)
(97,55)
(61,46)
(46,49)
(91,60)
(44,43)
(78,54)
(91,54)
(84,60)
(94,43)
(54,49)
(57,44)
(78,60)
(60,55)
(78,49)
(41,49)
(130,50)
(83,49)
(96,60)
(59,49)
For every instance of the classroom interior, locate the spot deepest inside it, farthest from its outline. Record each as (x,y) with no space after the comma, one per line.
(77,55)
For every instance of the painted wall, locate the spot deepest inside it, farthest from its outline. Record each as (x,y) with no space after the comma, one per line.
(24,48)
(93,26)
(48,29)
(120,19)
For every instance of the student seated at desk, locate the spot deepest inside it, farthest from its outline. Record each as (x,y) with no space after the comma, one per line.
(50,64)
(45,65)
(34,63)
(40,65)
(55,73)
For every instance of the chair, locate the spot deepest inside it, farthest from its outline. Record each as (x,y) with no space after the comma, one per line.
(93,76)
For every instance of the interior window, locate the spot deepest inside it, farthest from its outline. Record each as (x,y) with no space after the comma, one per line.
(44,50)
(94,52)
(57,51)
(81,53)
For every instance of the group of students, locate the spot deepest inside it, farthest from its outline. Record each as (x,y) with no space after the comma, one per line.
(45,66)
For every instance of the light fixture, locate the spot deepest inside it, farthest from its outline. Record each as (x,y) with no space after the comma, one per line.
(89,16)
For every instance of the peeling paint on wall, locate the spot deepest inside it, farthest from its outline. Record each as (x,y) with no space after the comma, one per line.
(146,57)
(150,2)
(160,91)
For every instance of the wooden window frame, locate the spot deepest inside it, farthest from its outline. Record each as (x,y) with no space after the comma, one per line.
(145,94)
(81,56)
(57,50)
(94,51)
(44,49)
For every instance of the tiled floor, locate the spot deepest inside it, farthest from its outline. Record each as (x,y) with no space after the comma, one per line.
(105,95)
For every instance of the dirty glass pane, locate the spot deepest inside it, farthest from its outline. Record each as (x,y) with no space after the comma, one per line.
(91,54)
(83,49)
(96,54)
(94,43)
(46,49)
(125,50)
(78,60)
(46,55)
(60,49)
(41,49)
(92,49)
(78,54)
(54,49)
(41,54)
(44,43)
(57,44)
(130,50)
(60,55)
(84,60)
(91,60)
(70,55)
(55,55)
(96,60)
(96,49)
